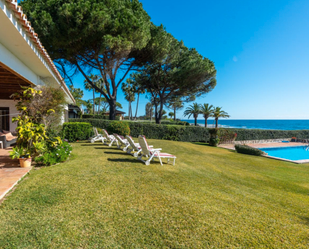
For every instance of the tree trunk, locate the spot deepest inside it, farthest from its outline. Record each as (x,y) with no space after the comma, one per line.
(216,122)
(195,121)
(129,109)
(156,112)
(175,113)
(136,106)
(112,109)
(151,114)
(99,103)
(93,102)
(206,117)
(159,116)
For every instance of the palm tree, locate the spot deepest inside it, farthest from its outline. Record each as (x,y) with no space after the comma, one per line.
(194,110)
(88,106)
(219,113)
(129,96)
(96,80)
(207,111)
(171,114)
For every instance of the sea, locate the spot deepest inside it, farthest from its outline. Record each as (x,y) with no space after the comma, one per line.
(276,124)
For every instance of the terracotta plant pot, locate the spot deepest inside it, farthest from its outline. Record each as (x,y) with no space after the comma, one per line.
(25,162)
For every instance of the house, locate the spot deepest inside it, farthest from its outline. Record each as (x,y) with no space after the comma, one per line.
(119,114)
(74,111)
(23,62)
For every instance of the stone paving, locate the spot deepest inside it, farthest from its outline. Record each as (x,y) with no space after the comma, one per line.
(265,145)
(10,172)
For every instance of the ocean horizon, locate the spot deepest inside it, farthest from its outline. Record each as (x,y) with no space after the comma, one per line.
(263,124)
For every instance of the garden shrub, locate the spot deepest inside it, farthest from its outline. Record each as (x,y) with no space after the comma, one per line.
(73,131)
(245,149)
(56,151)
(119,127)
(214,137)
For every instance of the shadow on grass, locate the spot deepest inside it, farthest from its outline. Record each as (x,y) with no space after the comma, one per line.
(106,148)
(201,143)
(94,144)
(116,153)
(305,219)
(124,160)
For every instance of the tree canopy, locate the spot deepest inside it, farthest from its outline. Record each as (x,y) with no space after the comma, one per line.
(105,36)
(173,70)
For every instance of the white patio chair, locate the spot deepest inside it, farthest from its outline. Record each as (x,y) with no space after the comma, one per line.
(97,136)
(152,153)
(109,138)
(122,142)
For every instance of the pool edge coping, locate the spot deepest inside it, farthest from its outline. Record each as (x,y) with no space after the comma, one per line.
(302,161)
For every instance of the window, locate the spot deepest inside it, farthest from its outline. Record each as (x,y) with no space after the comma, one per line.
(4,118)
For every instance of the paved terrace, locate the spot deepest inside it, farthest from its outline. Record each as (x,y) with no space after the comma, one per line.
(264,145)
(10,172)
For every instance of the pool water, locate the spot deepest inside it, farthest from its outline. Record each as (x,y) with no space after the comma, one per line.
(290,153)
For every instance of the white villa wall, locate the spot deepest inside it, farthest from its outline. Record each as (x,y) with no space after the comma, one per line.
(13,112)
(19,67)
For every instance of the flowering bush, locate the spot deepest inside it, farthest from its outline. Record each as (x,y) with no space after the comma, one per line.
(226,136)
(56,151)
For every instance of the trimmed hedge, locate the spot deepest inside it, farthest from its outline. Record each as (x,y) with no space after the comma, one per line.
(154,131)
(105,117)
(245,149)
(73,131)
(195,133)
(177,122)
(254,134)
(120,128)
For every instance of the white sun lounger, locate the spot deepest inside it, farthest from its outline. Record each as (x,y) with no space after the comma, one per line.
(122,142)
(152,153)
(97,136)
(135,148)
(109,138)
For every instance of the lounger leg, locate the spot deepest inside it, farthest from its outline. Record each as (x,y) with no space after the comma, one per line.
(160,160)
(174,161)
(136,153)
(125,148)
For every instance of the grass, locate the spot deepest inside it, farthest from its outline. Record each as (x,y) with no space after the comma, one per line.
(213,198)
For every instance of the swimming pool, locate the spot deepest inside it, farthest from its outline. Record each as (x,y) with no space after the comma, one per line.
(290,153)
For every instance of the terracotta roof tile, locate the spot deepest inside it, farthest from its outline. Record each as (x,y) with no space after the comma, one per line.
(12,4)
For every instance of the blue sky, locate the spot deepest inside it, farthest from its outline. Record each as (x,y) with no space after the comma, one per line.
(260,50)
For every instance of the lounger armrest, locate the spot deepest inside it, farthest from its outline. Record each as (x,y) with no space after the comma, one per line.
(150,146)
(156,149)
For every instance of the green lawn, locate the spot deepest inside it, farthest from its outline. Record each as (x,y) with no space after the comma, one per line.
(212,198)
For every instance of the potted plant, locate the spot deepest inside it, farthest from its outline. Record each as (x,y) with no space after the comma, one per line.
(23,156)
